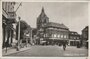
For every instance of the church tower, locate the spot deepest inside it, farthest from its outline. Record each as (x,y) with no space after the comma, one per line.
(42,19)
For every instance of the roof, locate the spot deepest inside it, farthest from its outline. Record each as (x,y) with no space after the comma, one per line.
(52,24)
(85,29)
(42,14)
(73,33)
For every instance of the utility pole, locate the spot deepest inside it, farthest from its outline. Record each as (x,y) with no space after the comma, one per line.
(31,36)
(18,42)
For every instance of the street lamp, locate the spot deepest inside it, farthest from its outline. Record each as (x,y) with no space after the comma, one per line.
(18,42)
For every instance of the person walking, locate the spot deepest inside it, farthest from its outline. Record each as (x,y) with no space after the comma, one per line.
(64,45)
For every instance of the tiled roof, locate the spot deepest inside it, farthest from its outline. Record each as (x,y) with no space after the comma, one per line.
(52,24)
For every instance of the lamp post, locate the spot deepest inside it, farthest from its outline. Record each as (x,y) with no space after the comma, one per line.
(31,41)
(18,41)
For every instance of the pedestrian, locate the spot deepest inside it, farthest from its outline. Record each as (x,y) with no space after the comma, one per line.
(64,45)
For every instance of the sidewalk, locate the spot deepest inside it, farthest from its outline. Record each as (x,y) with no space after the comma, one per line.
(13,50)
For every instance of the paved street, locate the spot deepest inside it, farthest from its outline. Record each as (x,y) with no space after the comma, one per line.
(51,51)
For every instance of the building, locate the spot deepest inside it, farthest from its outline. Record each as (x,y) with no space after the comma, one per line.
(85,36)
(56,33)
(74,38)
(27,37)
(8,19)
(34,33)
(52,33)
(42,20)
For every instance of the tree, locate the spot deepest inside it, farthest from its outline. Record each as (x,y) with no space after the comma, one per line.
(23,27)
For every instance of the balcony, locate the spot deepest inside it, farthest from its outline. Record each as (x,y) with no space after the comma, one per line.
(11,15)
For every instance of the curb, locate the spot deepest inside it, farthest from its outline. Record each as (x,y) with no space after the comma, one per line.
(14,51)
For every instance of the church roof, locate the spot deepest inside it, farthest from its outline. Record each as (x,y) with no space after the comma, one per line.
(42,14)
(52,24)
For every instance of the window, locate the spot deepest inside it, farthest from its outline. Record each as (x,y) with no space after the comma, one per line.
(77,37)
(6,6)
(74,37)
(3,5)
(44,35)
(71,37)
(72,33)
(58,35)
(61,36)
(75,33)
(64,36)
(50,28)
(54,35)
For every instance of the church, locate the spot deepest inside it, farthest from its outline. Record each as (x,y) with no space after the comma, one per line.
(51,32)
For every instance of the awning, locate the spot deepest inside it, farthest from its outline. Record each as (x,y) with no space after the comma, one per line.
(74,40)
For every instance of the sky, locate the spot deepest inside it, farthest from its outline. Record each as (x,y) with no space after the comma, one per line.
(74,15)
